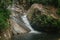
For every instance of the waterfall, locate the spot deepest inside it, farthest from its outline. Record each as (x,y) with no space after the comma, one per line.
(25,20)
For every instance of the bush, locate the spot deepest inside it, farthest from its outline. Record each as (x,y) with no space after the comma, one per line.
(46,2)
(4,14)
(43,22)
(58,11)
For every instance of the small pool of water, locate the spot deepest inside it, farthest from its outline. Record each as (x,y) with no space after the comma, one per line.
(31,36)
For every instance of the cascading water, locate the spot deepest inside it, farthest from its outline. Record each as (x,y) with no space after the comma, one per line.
(25,20)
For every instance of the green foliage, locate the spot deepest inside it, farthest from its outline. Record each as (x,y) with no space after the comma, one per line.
(58,11)
(41,22)
(46,2)
(58,3)
(4,14)
(5,3)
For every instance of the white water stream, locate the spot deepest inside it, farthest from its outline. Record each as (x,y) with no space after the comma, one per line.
(25,20)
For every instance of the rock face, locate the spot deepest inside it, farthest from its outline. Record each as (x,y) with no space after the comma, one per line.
(17,25)
(16,28)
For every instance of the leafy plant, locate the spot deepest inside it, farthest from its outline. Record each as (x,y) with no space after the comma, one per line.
(4,14)
(44,22)
(58,11)
(55,3)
